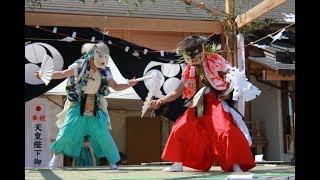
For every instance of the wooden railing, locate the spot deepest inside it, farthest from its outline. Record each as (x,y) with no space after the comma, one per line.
(259,140)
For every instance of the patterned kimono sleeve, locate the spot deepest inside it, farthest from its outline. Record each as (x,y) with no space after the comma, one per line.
(215,68)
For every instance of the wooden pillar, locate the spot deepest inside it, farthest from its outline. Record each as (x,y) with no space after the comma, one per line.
(230,33)
(293,128)
(230,7)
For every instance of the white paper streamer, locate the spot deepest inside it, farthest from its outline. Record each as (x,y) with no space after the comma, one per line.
(241,86)
(74,34)
(241,66)
(55,30)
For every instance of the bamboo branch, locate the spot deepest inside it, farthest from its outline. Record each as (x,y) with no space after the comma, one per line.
(203,7)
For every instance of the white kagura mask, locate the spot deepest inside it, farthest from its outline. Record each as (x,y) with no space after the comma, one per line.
(101,55)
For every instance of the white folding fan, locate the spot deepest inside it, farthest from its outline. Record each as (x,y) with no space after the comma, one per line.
(46,69)
(155,85)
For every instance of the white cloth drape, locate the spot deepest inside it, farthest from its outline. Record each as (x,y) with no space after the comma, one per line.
(237,118)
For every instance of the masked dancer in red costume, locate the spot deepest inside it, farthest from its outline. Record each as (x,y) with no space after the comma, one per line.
(207,132)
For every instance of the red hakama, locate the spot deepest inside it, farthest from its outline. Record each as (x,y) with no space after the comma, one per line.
(198,142)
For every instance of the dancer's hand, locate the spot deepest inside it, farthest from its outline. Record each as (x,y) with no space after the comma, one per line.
(37,74)
(132,82)
(155,104)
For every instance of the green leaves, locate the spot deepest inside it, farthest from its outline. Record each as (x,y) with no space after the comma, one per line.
(213,48)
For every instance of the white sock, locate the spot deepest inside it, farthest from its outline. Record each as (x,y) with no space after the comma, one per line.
(175,167)
(54,161)
(114,166)
(236,168)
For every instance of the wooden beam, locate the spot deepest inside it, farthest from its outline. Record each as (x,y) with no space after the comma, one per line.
(267,73)
(254,71)
(148,24)
(67,20)
(271,76)
(124,23)
(270,65)
(257,11)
